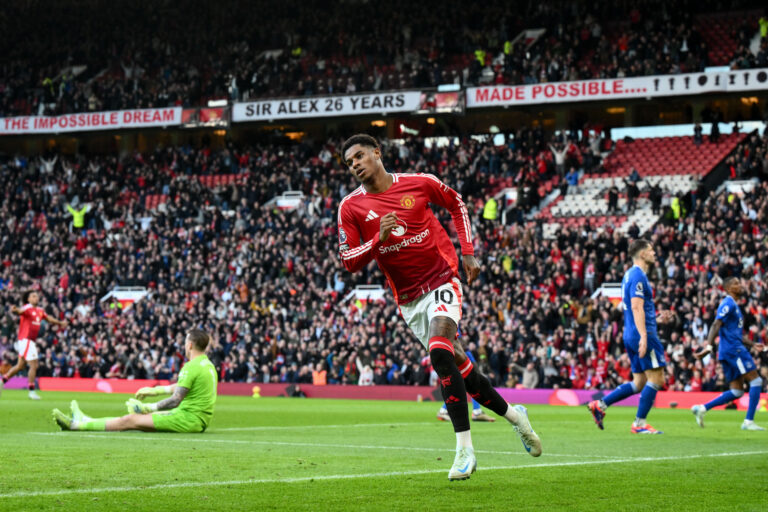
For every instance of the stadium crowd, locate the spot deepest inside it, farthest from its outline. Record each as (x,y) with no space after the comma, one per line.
(185,53)
(269,286)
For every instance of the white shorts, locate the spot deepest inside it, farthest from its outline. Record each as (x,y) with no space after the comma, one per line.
(443,301)
(26,349)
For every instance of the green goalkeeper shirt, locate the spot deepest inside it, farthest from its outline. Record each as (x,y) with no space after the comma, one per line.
(199,376)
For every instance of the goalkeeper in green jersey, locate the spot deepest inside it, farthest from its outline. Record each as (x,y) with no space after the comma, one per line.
(189,409)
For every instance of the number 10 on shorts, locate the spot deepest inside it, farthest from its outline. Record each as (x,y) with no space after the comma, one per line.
(445,296)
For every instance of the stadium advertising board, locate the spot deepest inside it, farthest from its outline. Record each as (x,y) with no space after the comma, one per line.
(327,106)
(97,385)
(568,397)
(90,121)
(618,88)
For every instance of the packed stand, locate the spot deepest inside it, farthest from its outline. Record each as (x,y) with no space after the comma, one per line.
(123,55)
(269,286)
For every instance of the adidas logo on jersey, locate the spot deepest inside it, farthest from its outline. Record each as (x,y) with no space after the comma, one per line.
(371,215)
(442,308)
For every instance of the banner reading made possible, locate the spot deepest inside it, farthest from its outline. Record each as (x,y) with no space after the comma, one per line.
(618,88)
(326,106)
(89,121)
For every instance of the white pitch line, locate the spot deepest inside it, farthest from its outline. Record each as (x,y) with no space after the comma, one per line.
(62,492)
(141,437)
(351,425)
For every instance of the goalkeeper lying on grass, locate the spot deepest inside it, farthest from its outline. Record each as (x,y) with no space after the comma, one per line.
(189,409)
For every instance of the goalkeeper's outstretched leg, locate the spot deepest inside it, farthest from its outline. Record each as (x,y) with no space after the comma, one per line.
(76,420)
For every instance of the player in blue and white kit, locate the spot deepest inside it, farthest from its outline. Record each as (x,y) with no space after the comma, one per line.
(641,341)
(737,363)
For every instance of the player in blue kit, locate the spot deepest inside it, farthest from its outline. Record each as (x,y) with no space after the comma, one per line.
(737,363)
(641,341)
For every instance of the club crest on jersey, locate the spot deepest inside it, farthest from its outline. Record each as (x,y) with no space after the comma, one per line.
(407,202)
(400,229)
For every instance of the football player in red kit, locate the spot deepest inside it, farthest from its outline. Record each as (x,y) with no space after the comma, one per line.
(388,219)
(29,325)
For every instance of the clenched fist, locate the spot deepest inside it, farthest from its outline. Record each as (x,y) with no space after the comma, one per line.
(386,225)
(471,267)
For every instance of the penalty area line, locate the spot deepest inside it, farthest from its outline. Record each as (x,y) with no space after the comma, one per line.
(348,425)
(181,485)
(208,440)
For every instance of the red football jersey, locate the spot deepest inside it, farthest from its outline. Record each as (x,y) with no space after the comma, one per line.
(418,256)
(29,325)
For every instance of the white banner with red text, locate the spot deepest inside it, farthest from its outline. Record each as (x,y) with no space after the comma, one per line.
(327,106)
(90,121)
(618,88)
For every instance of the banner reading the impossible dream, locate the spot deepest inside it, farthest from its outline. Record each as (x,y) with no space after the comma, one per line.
(618,88)
(327,106)
(90,121)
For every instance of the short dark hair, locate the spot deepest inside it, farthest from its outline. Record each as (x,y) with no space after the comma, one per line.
(637,246)
(199,339)
(359,138)
(729,281)
(27,294)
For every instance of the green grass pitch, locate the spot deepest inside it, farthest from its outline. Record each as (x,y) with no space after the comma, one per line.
(304,454)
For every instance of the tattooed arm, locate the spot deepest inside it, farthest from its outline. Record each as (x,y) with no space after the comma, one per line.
(173,401)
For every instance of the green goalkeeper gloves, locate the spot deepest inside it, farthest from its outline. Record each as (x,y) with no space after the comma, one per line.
(142,393)
(136,407)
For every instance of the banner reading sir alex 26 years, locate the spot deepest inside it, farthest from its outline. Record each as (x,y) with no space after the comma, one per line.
(327,106)
(618,88)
